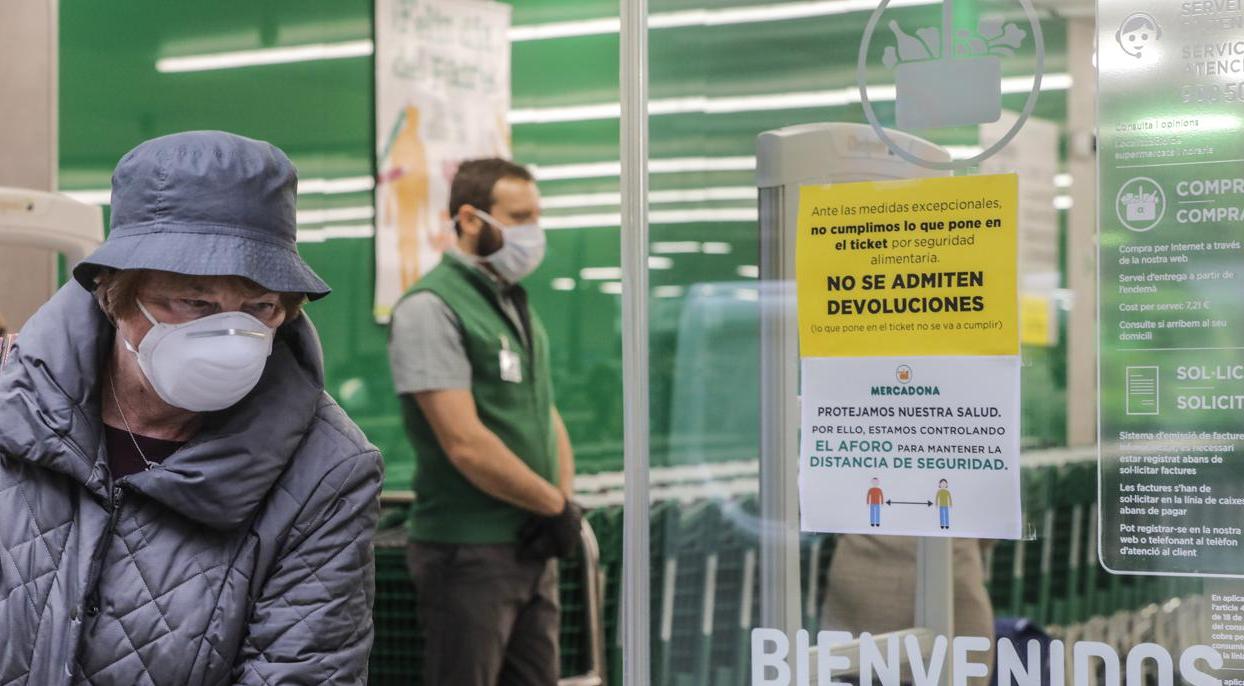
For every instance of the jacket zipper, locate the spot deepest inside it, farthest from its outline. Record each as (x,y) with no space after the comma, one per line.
(90,604)
(88,607)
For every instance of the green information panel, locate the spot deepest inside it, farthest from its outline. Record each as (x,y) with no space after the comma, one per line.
(1171,145)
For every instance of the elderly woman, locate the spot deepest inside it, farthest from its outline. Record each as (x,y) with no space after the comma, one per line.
(180,501)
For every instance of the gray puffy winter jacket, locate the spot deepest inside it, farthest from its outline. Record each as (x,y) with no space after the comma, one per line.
(245,558)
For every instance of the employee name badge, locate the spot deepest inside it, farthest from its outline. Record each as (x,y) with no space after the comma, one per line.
(511,363)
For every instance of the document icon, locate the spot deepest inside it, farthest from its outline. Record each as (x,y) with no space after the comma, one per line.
(1142,390)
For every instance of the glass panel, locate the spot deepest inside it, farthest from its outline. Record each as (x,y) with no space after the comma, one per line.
(728,553)
(321,113)
(1169,248)
(1170,337)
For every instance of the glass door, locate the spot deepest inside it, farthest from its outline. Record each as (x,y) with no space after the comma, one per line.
(752,109)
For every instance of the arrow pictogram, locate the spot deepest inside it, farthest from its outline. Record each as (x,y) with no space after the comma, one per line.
(926,503)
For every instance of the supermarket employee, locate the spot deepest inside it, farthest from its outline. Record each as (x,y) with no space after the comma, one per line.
(494,466)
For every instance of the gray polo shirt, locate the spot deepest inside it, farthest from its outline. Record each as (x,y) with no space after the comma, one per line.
(426,352)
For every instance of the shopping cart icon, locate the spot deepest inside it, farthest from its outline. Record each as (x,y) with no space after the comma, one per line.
(1141,204)
(1141,207)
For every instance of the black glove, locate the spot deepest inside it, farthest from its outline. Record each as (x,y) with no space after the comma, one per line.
(558,536)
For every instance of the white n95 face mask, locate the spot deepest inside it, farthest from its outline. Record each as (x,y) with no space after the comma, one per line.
(207,364)
(521,251)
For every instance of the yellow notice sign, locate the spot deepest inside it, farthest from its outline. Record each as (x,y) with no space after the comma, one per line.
(1037,325)
(919,267)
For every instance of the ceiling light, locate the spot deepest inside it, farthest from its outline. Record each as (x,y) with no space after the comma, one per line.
(558,202)
(725,214)
(581,221)
(336,214)
(748,271)
(588,27)
(797,10)
(721,17)
(264,56)
(348,184)
(550,115)
(703,194)
(658,262)
(589,170)
(563,284)
(329,233)
(611,287)
(600,273)
(754,103)
(675,165)
(668,165)
(564,29)
(676,247)
(568,201)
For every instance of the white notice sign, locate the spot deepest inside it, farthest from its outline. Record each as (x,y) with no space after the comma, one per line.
(925,446)
(909,334)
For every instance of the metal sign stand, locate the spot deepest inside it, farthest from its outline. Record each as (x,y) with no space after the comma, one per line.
(935,591)
(787,159)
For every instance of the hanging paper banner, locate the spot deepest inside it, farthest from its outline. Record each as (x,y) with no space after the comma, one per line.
(442,96)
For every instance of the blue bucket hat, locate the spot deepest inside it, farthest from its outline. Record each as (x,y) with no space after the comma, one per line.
(206,203)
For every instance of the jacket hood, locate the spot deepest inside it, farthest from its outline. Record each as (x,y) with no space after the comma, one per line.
(50,415)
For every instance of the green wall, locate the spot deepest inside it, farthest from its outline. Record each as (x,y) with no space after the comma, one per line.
(704,386)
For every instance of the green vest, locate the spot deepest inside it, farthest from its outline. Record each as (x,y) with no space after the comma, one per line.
(447,507)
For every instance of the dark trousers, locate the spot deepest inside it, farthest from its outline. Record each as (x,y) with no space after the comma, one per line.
(489,619)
